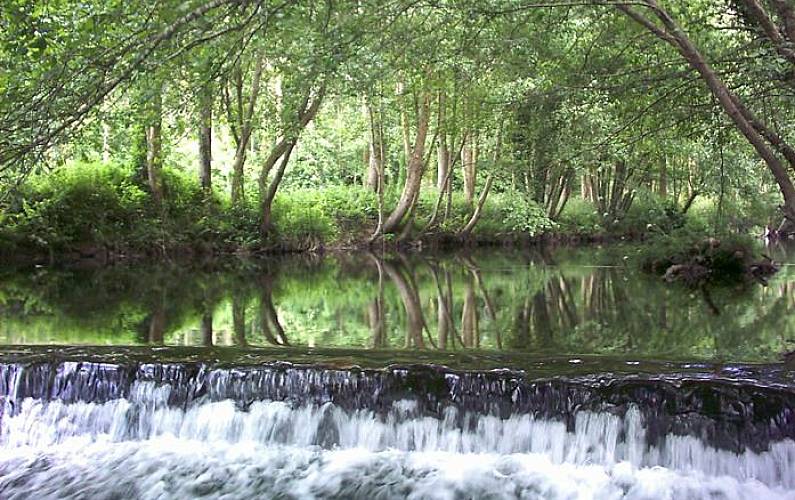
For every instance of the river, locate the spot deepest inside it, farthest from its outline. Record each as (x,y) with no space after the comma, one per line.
(548,373)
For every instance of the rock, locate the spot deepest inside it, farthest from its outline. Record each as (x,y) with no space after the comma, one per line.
(689,274)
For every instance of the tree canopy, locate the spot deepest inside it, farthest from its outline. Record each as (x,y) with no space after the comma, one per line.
(563,104)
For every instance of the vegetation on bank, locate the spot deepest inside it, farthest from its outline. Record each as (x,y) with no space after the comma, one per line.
(103,211)
(226,126)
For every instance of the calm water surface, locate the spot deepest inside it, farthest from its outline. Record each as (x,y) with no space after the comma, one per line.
(561,302)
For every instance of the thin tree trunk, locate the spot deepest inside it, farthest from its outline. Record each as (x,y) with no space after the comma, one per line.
(375,151)
(205,138)
(467,230)
(443,152)
(411,188)
(675,36)
(154,146)
(245,125)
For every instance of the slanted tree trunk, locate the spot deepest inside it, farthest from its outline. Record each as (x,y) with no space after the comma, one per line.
(241,115)
(282,151)
(154,145)
(206,137)
(473,221)
(763,139)
(411,188)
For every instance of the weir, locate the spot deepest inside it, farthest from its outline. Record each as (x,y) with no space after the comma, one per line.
(739,428)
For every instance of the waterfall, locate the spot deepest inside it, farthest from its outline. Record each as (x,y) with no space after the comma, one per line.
(297,422)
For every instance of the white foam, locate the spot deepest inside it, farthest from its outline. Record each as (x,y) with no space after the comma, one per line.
(171,467)
(598,439)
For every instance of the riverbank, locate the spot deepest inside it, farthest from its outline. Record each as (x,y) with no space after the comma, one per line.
(102,214)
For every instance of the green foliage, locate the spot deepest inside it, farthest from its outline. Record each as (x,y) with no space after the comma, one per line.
(650,213)
(300,219)
(580,217)
(512,212)
(84,203)
(725,257)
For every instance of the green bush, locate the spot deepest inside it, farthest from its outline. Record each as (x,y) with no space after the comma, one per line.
(515,213)
(580,217)
(82,203)
(300,219)
(725,255)
(650,213)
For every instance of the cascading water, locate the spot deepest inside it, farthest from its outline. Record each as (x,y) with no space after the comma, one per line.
(73,429)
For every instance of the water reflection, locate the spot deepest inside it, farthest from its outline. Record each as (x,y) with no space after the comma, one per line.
(562,302)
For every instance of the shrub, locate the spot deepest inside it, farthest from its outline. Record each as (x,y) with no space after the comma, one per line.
(650,213)
(300,219)
(580,217)
(81,203)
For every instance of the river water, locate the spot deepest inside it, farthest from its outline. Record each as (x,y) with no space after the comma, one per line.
(538,374)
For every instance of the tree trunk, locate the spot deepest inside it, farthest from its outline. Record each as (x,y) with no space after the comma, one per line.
(154,146)
(411,188)
(245,116)
(283,149)
(467,230)
(205,138)
(468,167)
(443,152)
(375,152)
(731,104)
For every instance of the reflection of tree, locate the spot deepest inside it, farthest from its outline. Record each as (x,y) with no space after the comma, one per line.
(469,315)
(411,302)
(207,328)
(445,326)
(239,317)
(476,278)
(156,323)
(269,319)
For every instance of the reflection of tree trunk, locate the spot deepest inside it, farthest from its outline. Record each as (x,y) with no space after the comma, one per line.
(411,303)
(443,322)
(239,319)
(444,307)
(375,315)
(207,329)
(469,317)
(541,323)
(269,319)
(157,324)
(522,324)
(490,309)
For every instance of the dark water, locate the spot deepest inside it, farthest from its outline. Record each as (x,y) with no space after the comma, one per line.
(539,374)
(561,302)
